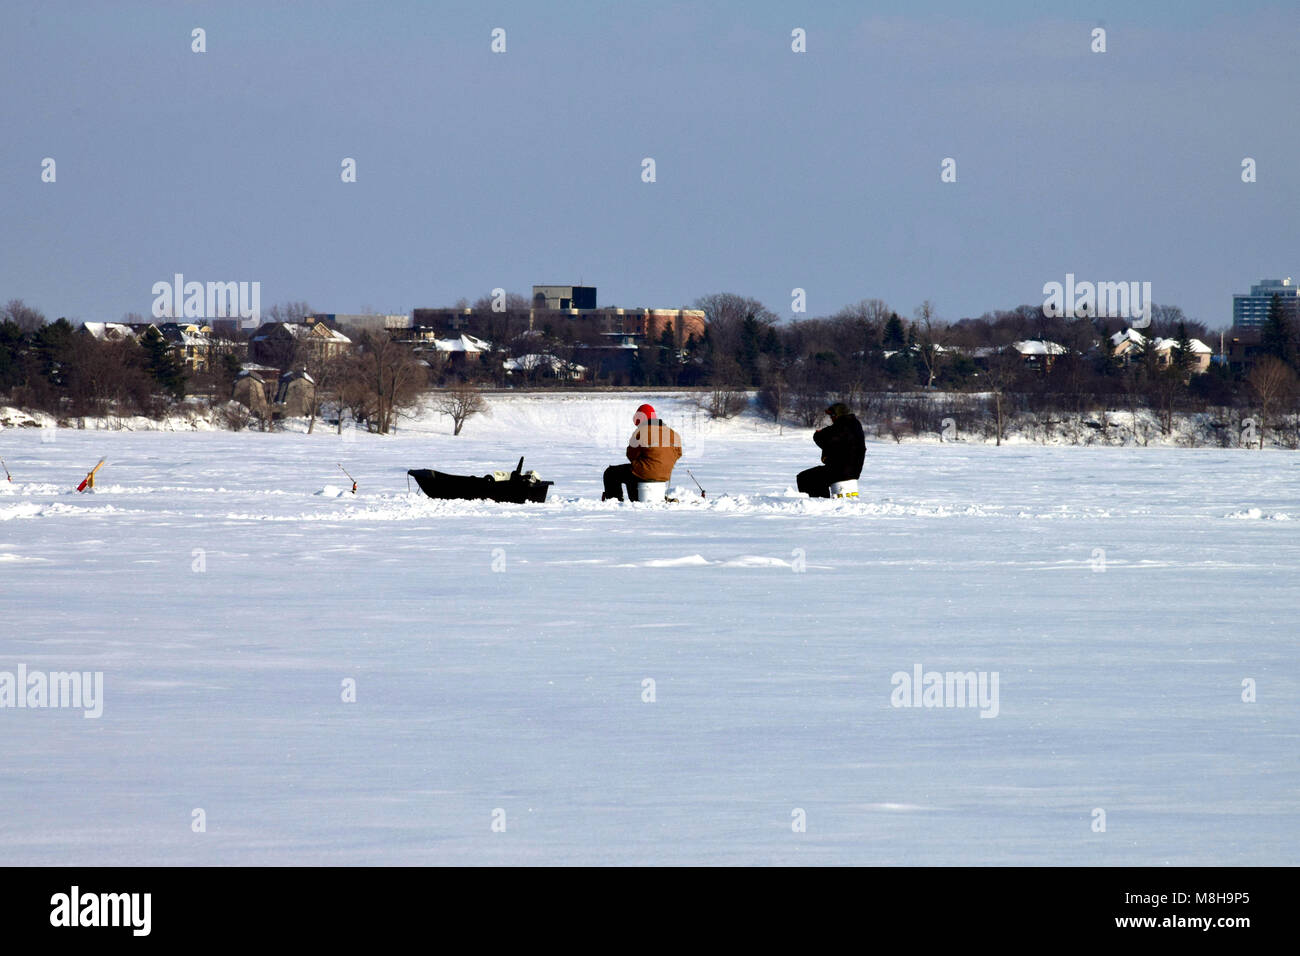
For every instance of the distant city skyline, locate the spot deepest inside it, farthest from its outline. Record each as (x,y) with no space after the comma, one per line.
(773,170)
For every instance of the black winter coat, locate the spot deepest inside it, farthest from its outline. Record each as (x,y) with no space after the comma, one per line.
(843,448)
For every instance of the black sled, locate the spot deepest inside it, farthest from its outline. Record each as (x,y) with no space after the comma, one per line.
(518,489)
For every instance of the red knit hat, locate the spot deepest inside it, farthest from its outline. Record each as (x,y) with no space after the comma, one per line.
(646,413)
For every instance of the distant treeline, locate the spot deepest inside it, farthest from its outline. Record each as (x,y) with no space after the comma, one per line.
(795,366)
(52,367)
(863,347)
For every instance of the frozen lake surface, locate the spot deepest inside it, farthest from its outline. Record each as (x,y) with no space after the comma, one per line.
(227,586)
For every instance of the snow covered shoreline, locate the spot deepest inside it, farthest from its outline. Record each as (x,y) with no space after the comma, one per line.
(1221,428)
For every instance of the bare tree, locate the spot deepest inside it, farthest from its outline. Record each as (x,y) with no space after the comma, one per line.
(928,346)
(23,315)
(808,393)
(354,395)
(285,351)
(461,403)
(282,350)
(293,312)
(725,314)
(868,313)
(106,376)
(1273,383)
(385,378)
(775,396)
(1165,391)
(1131,381)
(858,330)
(1003,372)
(513,303)
(725,399)
(328,373)
(236,416)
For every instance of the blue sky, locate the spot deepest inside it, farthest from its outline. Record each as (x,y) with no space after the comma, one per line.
(775,170)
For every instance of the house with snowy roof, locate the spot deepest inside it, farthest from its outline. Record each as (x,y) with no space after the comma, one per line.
(108,331)
(1128,344)
(280,343)
(1199,354)
(194,345)
(457,350)
(545,364)
(1039,353)
(295,394)
(464,344)
(250,391)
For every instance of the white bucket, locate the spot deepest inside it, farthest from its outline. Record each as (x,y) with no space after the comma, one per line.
(651,490)
(845,489)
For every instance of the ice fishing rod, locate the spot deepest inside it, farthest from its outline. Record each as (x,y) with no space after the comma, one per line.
(6,468)
(697,483)
(350,478)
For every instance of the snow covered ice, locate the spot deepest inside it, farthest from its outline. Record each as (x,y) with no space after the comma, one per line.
(228,584)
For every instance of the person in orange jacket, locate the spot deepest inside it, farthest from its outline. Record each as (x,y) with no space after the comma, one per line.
(651,453)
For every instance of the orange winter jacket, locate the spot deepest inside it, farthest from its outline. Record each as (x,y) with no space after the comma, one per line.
(653,450)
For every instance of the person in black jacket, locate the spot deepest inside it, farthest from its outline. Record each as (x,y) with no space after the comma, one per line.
(843,449)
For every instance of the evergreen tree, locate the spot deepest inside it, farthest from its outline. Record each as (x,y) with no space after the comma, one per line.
(636,373)
(163,366)
(52,345)
(894,337)
(228,369)
(1276,338)
(901,368)
(12,345)
(1107,364)
(1181,357)
(704,349)
(670,362)
(958,372)
(648,358)
(1150,358)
